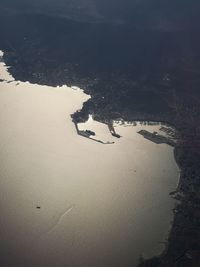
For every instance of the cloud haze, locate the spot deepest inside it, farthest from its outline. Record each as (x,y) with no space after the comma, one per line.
(161,14)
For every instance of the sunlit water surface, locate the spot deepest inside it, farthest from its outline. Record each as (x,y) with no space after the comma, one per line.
(100,205)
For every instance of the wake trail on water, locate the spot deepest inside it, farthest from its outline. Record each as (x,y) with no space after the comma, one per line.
(58,221)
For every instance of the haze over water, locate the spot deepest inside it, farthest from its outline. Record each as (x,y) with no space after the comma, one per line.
(100,205)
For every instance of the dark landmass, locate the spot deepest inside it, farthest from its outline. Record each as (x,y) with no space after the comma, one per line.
(132,72)
(129,72)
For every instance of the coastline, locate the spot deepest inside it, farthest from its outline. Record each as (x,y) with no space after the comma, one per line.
(85,141)
(167,73)
(157,260)
(182,246)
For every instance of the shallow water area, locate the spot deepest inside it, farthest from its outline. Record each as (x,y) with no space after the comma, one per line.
(66,200)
